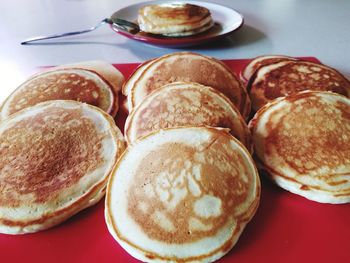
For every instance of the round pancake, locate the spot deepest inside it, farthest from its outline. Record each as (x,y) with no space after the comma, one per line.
(189,67)
(55,160)
(106,70)
(185,104)
(182,195)
(302,141)
(260,61)
(288,77)
(174,19)
(67,83)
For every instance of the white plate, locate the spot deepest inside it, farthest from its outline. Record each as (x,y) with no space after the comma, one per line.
(226,21)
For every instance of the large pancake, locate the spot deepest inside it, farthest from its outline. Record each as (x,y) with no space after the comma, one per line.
(260,61)
(182,195)
(96,83)
(174,19)
(288,77)
(189,67)
(55,160)
(303,142)
(185,104)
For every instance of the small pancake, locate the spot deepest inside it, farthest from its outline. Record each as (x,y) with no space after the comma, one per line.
(288,77)
(189,67)
(55,160)
(96,83)
(260,61)
(182,195)
(174,19)
(106,70)
(185,104)
(302,141)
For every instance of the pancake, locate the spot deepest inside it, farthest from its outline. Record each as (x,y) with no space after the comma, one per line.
(96,83)
(55,160)
(185,104)
(182,195)
(288,77)
(106,70)
(260,61)
(189,67)
(174,19)
(196,31)
(302,142)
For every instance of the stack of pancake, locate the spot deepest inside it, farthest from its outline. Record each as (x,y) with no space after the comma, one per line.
(58,145)
(174,19)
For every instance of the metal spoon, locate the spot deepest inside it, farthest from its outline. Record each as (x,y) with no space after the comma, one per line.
(117,23)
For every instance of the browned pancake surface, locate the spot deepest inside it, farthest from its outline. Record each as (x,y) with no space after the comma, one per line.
(60,85)
(177,105)
(44,154)
(297,76)
(268,61)
(177,110)
(180,14)
(200,71)
(222,181)
(312,135)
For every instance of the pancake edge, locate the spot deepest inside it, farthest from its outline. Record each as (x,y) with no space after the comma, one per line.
(147,256)
(88,199)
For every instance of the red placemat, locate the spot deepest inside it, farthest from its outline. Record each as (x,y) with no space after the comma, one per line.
(287,228)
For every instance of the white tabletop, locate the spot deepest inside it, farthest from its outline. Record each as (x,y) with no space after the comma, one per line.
(317,28)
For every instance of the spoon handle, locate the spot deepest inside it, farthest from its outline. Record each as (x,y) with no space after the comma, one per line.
(39,38)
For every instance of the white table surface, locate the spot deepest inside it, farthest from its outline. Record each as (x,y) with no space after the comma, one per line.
(317,28)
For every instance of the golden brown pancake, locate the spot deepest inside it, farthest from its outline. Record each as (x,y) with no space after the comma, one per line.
(260,61)
(55,160)
(106,70)
(302,141)
(288,77)
(185,104)
(96,83)
(174,19)
(182,195)
(189,67)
